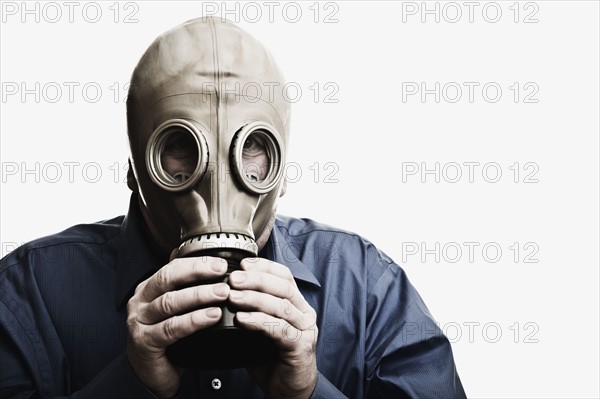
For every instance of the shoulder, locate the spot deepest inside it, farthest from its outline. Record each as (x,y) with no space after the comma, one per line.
(300,226)
(80,238)
(303,229)
(335,249)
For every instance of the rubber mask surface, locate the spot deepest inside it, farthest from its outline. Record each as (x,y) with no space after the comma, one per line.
(202,89)
(208,126)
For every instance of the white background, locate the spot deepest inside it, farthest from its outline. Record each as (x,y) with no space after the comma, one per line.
(368,138)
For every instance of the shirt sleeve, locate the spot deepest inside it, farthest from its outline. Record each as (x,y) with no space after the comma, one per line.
(325,389)
(21,379)
(31,365)
(407,355)
(117,380)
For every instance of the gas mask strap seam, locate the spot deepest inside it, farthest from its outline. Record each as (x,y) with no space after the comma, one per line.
(216,78)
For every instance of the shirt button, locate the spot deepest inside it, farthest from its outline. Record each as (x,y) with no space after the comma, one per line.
(216,384)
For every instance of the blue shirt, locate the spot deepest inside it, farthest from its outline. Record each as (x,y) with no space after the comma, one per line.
(63,300)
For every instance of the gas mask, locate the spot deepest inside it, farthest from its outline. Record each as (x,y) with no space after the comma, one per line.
(208,125)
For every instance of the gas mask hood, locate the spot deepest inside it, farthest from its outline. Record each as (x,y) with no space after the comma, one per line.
(208,127)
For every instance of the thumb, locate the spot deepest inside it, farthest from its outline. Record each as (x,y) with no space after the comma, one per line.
(173,254)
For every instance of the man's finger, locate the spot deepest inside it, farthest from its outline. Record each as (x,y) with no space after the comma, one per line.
(263,282)
(269,284)
(277,269)
(284,334)
(176,302)
(267,266)
(171,330)
(277,307)
(180,272)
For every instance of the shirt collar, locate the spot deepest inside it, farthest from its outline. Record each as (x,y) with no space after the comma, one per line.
(137,262)
(279,250)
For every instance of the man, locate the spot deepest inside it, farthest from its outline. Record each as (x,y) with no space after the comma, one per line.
(112,309)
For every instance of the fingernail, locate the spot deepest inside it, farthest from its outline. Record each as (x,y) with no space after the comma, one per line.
(236,294)
(218,266)
(213,313)
(221,289)
(249,263)
(237,277)
(242,315)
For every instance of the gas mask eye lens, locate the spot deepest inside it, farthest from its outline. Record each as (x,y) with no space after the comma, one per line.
(253,145)
(177,155)
(257,157)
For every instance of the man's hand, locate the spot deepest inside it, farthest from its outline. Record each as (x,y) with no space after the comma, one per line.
(160,313)
(270,301)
